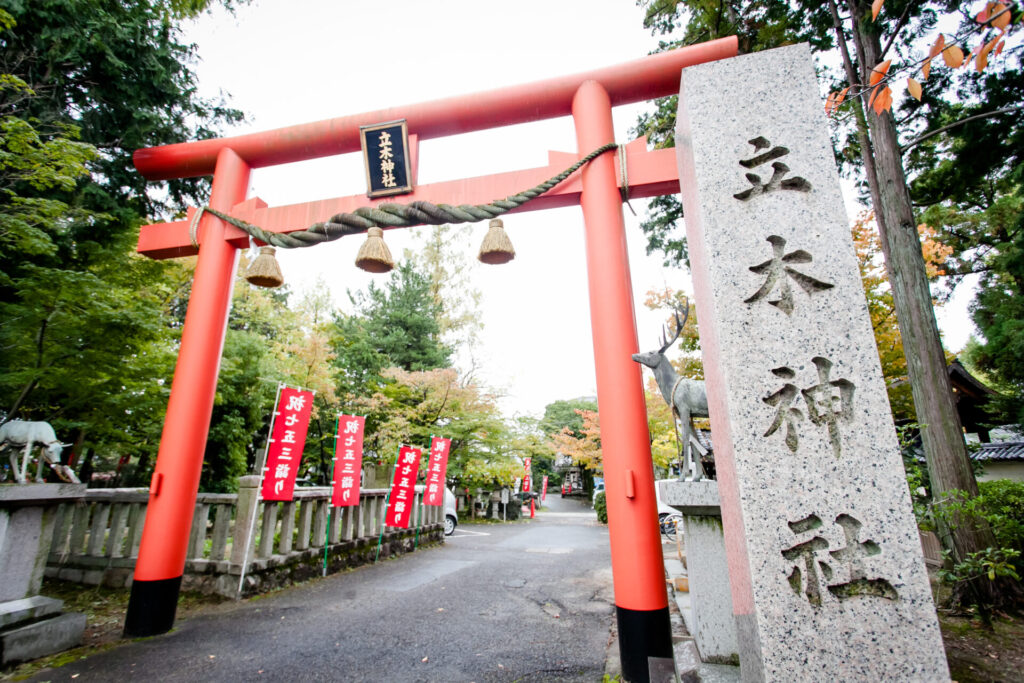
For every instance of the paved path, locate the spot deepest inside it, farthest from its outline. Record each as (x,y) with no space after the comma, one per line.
(527,601)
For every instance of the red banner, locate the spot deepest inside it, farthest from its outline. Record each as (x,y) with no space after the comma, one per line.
(288,438)
(348,460)
(403,485)
(526,474)
(437,466)
(544,490)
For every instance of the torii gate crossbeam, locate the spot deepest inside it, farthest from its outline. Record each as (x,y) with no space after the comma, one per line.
(642,79)
(638,575)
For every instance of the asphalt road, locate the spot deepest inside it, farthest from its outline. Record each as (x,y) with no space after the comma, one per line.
(526,601)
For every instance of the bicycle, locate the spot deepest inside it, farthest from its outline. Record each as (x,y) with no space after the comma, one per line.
(669,525)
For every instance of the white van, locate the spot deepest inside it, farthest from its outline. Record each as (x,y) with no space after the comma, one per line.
(451,517)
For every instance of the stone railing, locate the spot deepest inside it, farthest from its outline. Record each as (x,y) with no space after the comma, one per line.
(96,542)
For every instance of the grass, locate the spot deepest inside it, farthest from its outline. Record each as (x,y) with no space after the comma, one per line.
(979,655)
(104,609)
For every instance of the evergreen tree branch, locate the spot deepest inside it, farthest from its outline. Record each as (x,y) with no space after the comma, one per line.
(896,29)
(943,129)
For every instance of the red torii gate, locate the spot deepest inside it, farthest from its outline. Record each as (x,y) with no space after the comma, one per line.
(638,574)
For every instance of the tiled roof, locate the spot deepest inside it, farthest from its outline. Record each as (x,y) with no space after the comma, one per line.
(1001,450)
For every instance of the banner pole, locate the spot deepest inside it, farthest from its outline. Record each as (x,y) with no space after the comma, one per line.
(423,496)
(260,466)
(416,542)
(330,506)
(387,501)
(327,535)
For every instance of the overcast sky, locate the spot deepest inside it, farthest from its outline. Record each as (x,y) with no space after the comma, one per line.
(290,62)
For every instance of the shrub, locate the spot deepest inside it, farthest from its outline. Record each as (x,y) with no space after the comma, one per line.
(986,576)
(601,507)
(1002,504)
(989,563)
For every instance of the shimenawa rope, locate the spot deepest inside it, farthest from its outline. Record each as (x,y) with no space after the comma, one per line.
(390,215)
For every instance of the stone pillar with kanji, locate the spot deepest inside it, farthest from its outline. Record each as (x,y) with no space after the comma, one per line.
(827,576)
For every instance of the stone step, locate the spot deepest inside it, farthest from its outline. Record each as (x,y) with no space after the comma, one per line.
(41,638)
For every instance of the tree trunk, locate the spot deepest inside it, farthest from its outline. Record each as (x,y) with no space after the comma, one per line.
(85,474)
(76,447)
(949,468)
(138,476)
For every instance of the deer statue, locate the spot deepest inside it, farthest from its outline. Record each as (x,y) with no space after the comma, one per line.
(28,435)
(686,396)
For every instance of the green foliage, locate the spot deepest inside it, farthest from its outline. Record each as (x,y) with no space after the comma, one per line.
(394,326)
(188,9)
(1000,506)
(403,321)
(561,414)
(990,564)
(392,364)
(530,441)
(33,154)
(969,182)
(601,507)
(240,410)
(962,144)
(998,309)
(440,256)
(758,25)
(1002,501)
(88,331)
(410,407)
(120,73)
(270,339)
(87,350)
(917,482)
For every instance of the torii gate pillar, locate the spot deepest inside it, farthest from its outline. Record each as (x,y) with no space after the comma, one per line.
(638,572)
(179,462)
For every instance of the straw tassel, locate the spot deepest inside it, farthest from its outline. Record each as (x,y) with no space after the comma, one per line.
(374,256)
(496,247)
(264,271)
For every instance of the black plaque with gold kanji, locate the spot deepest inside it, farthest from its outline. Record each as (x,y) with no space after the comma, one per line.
(386,158)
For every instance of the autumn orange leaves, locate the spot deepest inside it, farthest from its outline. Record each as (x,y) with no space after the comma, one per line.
(835,99)
(881,94)
(994,22)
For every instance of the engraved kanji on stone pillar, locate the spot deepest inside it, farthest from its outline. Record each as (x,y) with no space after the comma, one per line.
(820,535)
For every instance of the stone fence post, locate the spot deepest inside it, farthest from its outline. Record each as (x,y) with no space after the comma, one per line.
(248,499)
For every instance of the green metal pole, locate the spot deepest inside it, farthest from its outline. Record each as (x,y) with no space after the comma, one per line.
(327,536)
(330,508)
(416,543)
(387,499)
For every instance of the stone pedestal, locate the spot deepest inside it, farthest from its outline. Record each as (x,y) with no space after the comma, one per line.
(31,625)
(710,619)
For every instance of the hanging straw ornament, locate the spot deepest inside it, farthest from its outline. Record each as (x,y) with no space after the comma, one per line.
(496,247)
(264,271)
(374,256)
